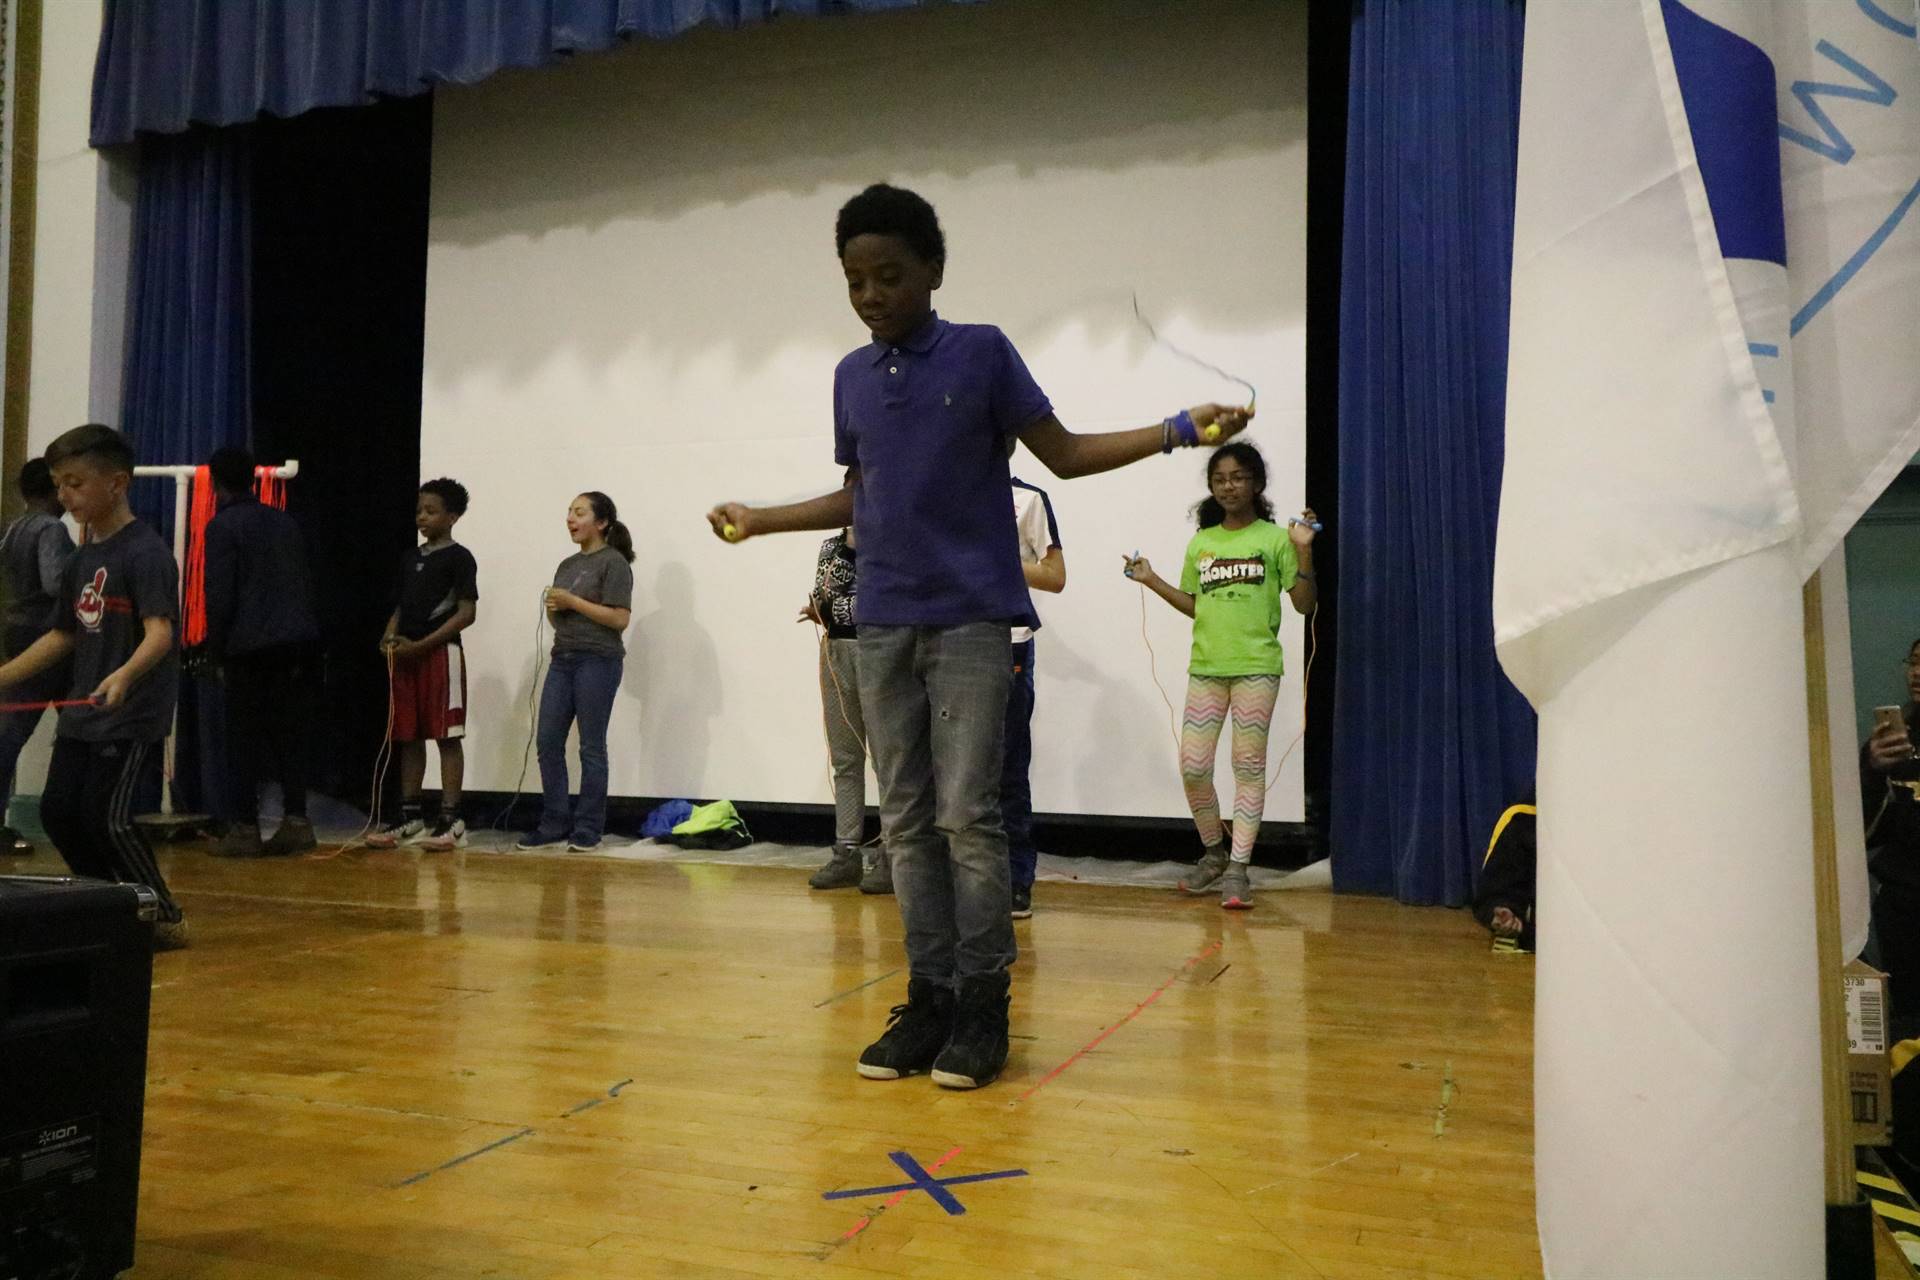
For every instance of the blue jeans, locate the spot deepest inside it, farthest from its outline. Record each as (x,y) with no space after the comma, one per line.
(935,702)
(580,686)
(1016,793)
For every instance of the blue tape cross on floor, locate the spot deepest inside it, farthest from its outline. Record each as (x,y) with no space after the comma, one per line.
(924,1181)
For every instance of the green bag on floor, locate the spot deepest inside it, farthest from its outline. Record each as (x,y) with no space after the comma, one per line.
(713,826)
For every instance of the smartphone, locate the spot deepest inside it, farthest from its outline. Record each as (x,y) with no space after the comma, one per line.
(1889,718)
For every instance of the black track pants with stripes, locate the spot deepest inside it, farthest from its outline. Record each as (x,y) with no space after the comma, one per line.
(88,807)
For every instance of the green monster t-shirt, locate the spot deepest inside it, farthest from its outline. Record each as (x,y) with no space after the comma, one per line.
(1236,577)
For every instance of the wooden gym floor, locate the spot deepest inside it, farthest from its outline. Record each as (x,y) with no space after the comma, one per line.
(428,1067)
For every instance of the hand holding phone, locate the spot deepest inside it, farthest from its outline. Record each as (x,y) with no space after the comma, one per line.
(1889,744)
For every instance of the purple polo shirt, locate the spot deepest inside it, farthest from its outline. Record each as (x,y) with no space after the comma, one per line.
(927,422)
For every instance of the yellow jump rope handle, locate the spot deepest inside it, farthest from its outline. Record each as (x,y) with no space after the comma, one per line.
(730,533)
(1211,432)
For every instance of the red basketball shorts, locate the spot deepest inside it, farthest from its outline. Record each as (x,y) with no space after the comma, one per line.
(430,696)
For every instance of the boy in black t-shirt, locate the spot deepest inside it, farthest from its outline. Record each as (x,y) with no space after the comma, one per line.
(439,592)
(120,596)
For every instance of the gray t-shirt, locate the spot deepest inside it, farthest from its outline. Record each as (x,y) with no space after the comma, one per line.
(600,577)
(34,553)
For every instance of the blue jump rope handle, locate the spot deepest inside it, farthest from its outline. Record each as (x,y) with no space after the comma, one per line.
(1126,570)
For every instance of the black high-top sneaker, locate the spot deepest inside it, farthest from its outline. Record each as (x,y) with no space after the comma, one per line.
(979,1046)
(916,1032)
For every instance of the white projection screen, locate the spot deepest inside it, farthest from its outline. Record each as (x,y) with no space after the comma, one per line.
(631,286)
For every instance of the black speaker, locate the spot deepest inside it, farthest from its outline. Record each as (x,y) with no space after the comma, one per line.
(76,972)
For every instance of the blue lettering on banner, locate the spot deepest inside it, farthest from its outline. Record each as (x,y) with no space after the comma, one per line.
(1851,267)
(1764,351)
(1835,146)
(1904,30)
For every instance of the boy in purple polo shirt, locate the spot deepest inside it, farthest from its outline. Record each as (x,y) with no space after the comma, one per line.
(922,417)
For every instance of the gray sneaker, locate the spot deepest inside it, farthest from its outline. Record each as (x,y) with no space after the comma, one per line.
(1236,893)
(878,876)
(841,872)
(1205,872)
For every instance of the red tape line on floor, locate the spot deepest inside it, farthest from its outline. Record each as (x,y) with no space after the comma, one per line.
(1211,949)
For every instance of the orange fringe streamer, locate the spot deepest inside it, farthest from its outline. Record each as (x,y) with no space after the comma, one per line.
(272,491)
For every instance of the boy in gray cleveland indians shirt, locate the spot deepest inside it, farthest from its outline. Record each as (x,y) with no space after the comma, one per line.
(115,619)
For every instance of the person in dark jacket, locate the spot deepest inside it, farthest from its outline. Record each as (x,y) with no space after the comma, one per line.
(33,556)
(1890,791)
(1503,900)
(263,631)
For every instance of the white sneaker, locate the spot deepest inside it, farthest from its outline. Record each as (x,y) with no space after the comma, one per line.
(446,837)
(405,831)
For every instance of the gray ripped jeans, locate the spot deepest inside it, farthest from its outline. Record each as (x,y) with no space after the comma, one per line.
(935,702)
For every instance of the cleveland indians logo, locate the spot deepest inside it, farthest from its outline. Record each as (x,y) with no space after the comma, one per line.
(92,605)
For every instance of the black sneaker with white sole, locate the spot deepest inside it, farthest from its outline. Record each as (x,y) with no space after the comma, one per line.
(978,1049)
(916,1033)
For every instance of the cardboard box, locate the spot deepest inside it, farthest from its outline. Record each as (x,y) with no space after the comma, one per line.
(1869,1071)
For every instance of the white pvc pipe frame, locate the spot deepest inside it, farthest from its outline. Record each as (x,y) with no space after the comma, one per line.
(182,489)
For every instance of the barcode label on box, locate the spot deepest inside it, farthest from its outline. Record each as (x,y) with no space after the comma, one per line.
(1866,1016)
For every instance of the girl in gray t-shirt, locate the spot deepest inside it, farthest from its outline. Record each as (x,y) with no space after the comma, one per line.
(589,604)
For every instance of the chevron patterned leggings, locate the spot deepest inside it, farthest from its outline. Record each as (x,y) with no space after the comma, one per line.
(1210,699)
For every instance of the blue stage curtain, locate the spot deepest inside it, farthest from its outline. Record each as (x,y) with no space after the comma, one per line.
(1430,741)
(186,390)
(166,64)
(186,387)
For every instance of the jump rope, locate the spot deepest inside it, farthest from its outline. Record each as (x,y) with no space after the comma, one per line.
(55,704)
(1173,716)
(533,711)
(382,761)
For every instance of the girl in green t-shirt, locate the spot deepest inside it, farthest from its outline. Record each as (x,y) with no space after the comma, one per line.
(1236,568)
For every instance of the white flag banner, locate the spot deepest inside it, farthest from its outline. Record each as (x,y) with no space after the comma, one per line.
(1714,368)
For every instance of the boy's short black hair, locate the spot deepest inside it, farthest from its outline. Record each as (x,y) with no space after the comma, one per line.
(103,445)
(452,494)
(232,469)
(883,210)
(36,480)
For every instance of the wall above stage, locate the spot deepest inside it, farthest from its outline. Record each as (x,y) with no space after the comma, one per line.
(632,287)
